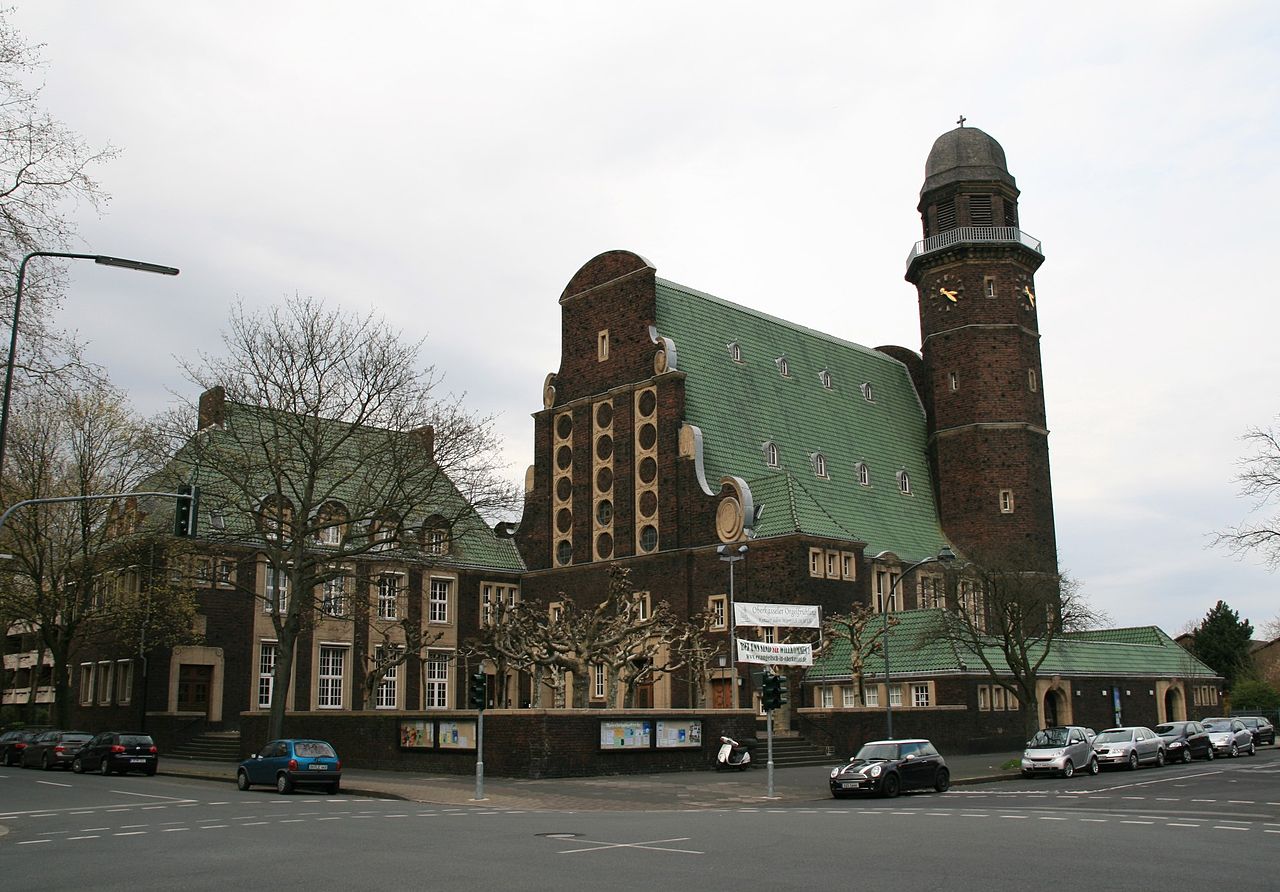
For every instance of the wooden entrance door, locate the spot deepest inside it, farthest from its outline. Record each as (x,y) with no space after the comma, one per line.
(721,693)
(194,682)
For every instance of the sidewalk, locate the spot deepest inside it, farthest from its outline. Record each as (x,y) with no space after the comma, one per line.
(643,792)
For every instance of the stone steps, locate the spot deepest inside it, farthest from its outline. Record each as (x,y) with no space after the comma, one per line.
(212,746)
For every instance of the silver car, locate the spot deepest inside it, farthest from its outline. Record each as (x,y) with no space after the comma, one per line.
(1061,751)
(1230,737)
(1129,746)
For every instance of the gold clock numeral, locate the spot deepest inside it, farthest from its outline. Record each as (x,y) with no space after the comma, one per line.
(949,295)
(1030,294)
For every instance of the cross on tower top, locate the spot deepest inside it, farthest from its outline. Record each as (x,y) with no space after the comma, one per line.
(962,120)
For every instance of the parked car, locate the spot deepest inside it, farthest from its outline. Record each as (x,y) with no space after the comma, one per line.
(290,763)
(1184,741)
(1062,750)
(1229,736)
(1130,746)
(12,743)
(119,752)
(50,749)
(1263,731)
(887,767)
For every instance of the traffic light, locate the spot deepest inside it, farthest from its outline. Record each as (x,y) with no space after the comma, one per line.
(186,510)
(773,693)
(478,692)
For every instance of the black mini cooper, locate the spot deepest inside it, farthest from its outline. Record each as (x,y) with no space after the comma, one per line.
(887,767)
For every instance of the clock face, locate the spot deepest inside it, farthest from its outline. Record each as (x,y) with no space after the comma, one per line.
(948,289)
(1026,291)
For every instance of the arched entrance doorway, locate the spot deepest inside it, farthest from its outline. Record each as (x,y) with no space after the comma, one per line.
(1174,708)
(1054,712)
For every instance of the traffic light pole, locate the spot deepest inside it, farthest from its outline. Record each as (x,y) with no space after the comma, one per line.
(114,495)
(769,764)
(480,756)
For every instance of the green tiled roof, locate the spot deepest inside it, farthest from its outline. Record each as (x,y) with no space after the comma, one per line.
(353,481)
(740,406)
(915,648)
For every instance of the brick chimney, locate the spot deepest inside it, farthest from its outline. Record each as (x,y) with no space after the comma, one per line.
(212,408)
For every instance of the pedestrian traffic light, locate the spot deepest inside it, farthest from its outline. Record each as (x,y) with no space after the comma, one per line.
(773,692)
(186,510)
(478,692)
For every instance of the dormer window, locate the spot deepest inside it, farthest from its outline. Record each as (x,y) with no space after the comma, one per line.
(435,536)
(904,483)
(824,377)
(735,352)
(867,393)
(783,368)
(864,473)
(819,464)
(275,516)
(384,532)
(771,456)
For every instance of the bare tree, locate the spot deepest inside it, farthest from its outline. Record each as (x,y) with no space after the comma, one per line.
(45,168)
(693,650)
(1259,480)
(70,575)
(863,630)
(324,440)
(1009,620)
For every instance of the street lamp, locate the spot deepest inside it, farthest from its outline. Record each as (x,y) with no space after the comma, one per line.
(731,556)
(944,556)
(100,259)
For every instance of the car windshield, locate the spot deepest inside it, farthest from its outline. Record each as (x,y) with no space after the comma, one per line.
(1250,723)
(1169,730)
(873,751)
(1115,735)
(1219,725)
(1050,737)
(313,749)
(76,738)
(135,740)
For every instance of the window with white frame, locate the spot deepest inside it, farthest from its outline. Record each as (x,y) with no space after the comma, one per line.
(984,698)
(904,482)
(895,695)
(824,377)
(436,688)
(820,465)
(872,695)
(931,593)
(438,604)
(276,590)
(997,697)
(226,572)
(602,345)
(828,696)
(771,455)
(849,696)
(104,683)
(435,541)
(848,566)
(1006,501)
(718,605)
(268,653)
(333,661)
(388,595)
(643,605)
(124,681)
(769,634)
(784,369)
(86,684)
(868,393)
(330,534)
(864,474)
(387,694)
(494,597)
(1032,384)
(833,564)
(598,678)
(816,565)
(333,600)
(920,695)
(953,380)
(735,352)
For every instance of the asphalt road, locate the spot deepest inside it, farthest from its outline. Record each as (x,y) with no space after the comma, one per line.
(1206,824)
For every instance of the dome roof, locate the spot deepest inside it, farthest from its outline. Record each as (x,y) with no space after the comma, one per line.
(965,153)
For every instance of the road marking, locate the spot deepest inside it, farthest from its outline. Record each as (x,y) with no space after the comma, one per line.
(1016,817)
(1094,820)
(255,823)
(1241,801)
(1167,799)
(1204,800)
(175,830)
(1137,822)
(94,829)
(33,842)
(1221,827)
(132,833)
(52,784)
(1171,824)
(77,813)
(153,807)
(652,845)
(292,821)
(1052,819)
(132,826)
(1133,797)
(975,816)
(321,819)
(71,838)
(213,827)
(43,815)
(152,796)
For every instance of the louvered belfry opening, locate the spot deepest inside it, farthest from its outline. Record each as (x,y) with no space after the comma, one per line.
(946,214)
(980,211)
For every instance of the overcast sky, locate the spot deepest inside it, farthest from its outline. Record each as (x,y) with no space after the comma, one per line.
(451,165)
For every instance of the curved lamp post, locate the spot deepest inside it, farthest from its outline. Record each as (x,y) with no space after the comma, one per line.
(944,556)
(100,259)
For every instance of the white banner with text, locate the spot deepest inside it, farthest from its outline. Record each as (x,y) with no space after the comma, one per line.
(794,616)
(774,654)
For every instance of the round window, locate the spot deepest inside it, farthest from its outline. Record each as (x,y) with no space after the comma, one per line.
(604,545)
(564,458)
(604,513)
(604,479)
(564,426)
(564,552)
(648,470)
(604,447)
(564,489)
(564,520)
(649,537)
(648,435)
(604,414)
(648,402)
(648,503)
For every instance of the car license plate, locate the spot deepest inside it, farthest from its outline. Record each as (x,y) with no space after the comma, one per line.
(317,767)
(850,785)
(137,761)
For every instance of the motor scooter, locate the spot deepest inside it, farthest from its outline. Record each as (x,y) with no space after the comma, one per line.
(732,755)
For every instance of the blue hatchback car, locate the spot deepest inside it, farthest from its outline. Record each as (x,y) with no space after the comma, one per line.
(286,764)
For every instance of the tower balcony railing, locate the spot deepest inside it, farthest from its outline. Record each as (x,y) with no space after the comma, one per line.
(966,234)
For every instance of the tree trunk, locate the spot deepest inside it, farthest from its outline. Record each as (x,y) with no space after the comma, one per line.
(280,683)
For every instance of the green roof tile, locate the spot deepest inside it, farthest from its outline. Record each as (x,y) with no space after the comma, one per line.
(739,406)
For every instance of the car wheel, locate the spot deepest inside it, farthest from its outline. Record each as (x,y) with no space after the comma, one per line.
(1133,761)
(1186,754)
(890,786)
(1160,758)
(1253,748)
(1209,754)
(104,767)
(1235,751)
(1094,767)
(942,782)
(1068,769)
(242,779)
(77,766)
(284,784)
(44,762)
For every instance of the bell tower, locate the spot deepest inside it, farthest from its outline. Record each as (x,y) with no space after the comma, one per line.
(974,273)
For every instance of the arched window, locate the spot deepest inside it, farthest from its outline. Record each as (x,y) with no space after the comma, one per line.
(783,368)
(384,531)
(771,455)
(904,482)
(867,392)
(826,380)
(275,517)
(735,352)
(435,535)
(819,464)
(864,474)
(329,524)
